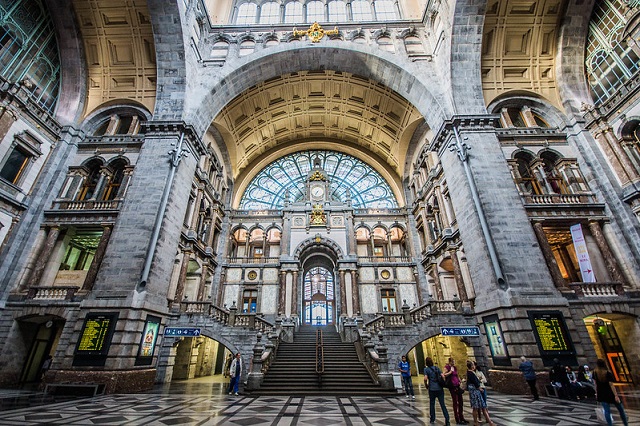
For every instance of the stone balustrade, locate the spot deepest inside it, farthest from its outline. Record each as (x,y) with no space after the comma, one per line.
(52,292)
(605,289)
(87,205)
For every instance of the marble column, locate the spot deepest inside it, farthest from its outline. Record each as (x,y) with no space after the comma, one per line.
(457,275)
(550,259)
(355,293)
(294,294)
(44,255)
(607,254)
(182,278)
(97,258)
(436,281)
(282,294)
(343,299)
(203,281)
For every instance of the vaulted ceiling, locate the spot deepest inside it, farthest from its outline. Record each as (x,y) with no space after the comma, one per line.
(119,49)
(316,106)
(519,47)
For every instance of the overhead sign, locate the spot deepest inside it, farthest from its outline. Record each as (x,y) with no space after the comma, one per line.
(460,331)
(182,331)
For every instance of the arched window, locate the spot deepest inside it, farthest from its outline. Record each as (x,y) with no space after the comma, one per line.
(90,183)
(553,177)
(293,13)
(315,12)
(247,13)
(385,10)
(270,13)
(337,11)
(247,47)
(349,177)
(414,46)
(219,50)
(526,179)
(361,11)
(29,51)
(386,44)
(610,59)
(115,181)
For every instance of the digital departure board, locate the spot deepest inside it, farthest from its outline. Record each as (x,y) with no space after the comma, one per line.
(93,345)
(551,332)
(94,333)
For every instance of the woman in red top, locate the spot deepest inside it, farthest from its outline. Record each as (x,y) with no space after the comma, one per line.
(453,382)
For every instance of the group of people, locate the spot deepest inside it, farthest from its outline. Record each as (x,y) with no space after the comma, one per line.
(437,381)
(584,384)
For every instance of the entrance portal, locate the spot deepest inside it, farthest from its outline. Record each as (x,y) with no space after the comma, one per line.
(318,304)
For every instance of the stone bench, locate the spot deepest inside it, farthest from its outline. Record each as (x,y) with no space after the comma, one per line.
(75,389)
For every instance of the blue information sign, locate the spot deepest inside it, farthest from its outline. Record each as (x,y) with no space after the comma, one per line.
(181,331)
(460,331)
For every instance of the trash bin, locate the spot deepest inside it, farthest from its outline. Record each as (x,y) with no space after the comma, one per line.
(397,380)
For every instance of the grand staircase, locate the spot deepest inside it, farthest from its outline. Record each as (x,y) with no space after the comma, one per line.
(293,372)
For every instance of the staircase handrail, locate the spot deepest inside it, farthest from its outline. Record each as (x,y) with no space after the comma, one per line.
(319,353)
(365,348)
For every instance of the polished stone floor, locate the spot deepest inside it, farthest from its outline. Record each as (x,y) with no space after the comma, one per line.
(205,402)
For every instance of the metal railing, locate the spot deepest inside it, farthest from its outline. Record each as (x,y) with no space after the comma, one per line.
(319,354)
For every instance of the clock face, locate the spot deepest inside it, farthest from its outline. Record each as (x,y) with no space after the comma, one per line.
(317,192)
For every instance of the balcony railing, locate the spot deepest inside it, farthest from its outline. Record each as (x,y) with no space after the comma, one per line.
(86,205)
(252,260)
(380,259)
(550,199)
(610,289)
(227,317)
(52,293)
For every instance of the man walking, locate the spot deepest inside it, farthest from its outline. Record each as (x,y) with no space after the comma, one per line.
(529,373)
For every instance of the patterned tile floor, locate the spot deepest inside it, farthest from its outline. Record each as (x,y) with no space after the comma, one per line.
(206,403)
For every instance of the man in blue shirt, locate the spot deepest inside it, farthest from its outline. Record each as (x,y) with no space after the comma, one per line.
(405,370)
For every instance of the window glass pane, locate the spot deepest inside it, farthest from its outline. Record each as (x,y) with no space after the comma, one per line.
(361,10)
(337,11)
(385,10)
(14,166)
(610,60)
(29,51)
(247,13)
(315,11)
(345,173)
(80,251)
(270,13)
(293,12)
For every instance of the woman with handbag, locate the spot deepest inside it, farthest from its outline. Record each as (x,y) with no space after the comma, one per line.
(606,393)
(478,403)
(434,381)
(453,383)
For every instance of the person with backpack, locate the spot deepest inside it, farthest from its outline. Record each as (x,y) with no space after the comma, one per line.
(434,381)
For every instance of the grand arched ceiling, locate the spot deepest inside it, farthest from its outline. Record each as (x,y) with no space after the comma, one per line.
(519,47)
(119,49)
(314,106)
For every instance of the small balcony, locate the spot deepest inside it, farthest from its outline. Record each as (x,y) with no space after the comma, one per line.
(597,290)
(554,199)
(384,259)
(252,260)
(52,293)
(87,205)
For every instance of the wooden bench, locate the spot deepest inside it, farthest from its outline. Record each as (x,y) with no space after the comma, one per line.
(75,389)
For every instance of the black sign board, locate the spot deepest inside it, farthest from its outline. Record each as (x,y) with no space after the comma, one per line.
(95,339)
(552,336)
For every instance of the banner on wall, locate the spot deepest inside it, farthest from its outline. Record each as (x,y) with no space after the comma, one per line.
(580,245)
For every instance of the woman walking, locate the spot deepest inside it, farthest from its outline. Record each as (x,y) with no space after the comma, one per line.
(453,383)
(434,380)
(606,393)
(478,403)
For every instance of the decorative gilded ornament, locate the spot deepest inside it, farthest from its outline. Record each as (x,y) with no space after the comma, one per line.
(315,32)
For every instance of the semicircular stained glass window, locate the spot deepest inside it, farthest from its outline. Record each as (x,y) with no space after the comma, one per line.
(346,175)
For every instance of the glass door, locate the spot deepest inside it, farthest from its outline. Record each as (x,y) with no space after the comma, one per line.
(318,299)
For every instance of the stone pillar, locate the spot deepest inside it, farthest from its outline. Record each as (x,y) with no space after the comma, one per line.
(343,298)
(436,280)
(384,376)
(294,294)
(355,292)
(550,259)
(97,259)
(255,376)
(43,256)
(457,275)
(282,294)
(203,281)
(607,254)
(182,278)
